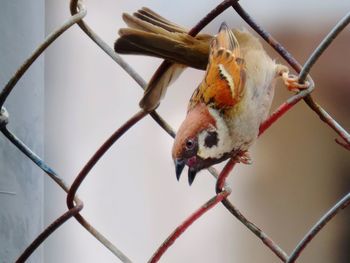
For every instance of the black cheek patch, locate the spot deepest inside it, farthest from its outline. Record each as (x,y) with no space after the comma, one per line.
(211,139)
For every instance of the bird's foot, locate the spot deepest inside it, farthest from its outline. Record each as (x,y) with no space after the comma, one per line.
(244,157)
(290,80)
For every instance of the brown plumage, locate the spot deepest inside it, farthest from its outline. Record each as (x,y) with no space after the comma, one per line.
(231,102)
(223,84)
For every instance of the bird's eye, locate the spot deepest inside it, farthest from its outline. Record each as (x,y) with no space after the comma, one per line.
(189,144)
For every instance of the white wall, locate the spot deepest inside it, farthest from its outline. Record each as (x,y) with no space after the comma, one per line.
(21,182)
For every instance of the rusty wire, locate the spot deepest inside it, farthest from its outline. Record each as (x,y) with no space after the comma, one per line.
(75,205)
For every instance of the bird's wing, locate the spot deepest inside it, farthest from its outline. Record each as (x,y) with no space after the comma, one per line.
(223,85)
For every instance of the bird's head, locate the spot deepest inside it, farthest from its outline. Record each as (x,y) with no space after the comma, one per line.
(201,141)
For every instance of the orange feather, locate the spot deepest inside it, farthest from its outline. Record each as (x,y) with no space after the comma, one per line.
(223,85)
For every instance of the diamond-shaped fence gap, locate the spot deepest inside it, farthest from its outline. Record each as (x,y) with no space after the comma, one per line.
(75,206)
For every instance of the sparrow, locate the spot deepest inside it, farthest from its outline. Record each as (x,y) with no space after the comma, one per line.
(232,101)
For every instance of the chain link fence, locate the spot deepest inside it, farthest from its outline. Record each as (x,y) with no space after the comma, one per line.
(75,204)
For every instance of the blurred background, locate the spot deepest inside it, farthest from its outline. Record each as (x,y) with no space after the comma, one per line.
(132,195)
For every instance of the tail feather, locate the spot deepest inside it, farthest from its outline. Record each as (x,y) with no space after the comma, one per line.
(154,18)
(138,23)
(150,34)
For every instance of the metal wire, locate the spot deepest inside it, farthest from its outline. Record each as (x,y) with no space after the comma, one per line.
(75,205)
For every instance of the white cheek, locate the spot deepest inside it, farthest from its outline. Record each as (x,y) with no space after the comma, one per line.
(224,144)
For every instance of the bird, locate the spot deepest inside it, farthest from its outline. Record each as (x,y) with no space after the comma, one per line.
(234,98)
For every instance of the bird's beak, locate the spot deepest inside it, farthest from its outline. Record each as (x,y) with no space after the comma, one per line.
(179,166)
(191,175)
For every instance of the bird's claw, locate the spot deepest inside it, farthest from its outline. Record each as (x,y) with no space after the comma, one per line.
(292,82)
(244,158)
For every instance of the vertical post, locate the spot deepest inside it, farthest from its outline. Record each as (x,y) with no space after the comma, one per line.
(22,28)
